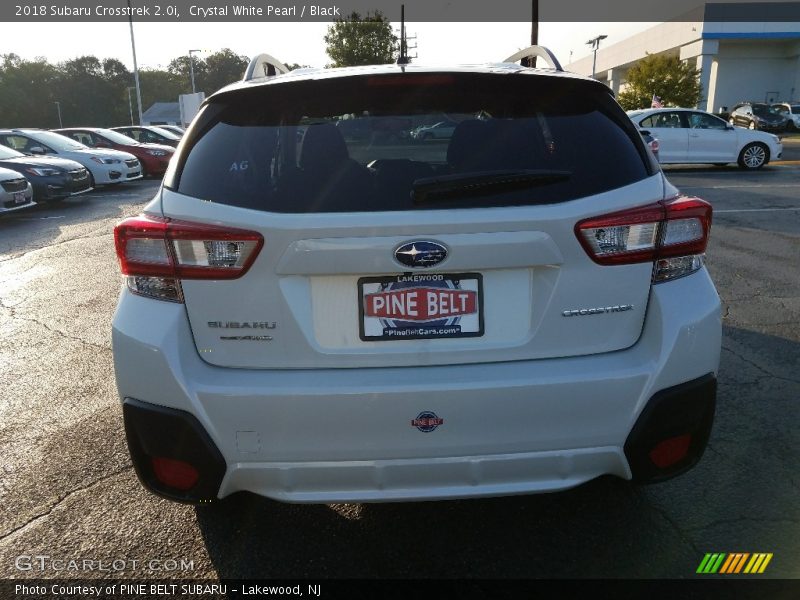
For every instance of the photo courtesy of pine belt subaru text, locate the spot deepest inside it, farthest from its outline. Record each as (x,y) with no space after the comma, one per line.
(318,306)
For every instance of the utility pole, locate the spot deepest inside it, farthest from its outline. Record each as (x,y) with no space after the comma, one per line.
(595,44)
(130,104)
(58,106)
(191,67)
(135,66)
(403,58)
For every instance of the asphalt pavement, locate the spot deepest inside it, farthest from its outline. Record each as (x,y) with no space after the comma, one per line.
(67,489)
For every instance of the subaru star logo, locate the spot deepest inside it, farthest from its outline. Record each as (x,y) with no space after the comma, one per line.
(420,254)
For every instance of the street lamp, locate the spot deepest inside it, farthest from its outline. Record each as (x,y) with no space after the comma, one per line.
(595,44)
(58,106)
(191,67)
(130,104)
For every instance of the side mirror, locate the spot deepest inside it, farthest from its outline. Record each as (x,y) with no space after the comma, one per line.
(36,150)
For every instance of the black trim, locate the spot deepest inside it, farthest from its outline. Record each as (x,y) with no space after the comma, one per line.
(685,408)
(153,430)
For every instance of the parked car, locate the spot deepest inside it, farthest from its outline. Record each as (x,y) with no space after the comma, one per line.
(104,166)
(52,178)
(791,111)
(179,131)
(651,141)
(442,130)
(154,158)
(692,136)
(504,313)
(758,115)
(148,134)
(15,191)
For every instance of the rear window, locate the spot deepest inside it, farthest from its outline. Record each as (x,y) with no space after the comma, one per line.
(409,142)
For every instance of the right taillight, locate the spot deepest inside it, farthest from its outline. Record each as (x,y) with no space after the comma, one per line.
(155,253)
(672,233)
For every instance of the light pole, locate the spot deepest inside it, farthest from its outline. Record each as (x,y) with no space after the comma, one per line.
(58,106)
(130,104)
(191,67)
(595,44)
(135,66)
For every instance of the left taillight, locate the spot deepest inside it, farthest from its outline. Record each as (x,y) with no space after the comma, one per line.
(155,253)
(672,233)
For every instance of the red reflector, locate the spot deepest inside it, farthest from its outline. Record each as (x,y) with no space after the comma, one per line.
(175,473)
(671,451)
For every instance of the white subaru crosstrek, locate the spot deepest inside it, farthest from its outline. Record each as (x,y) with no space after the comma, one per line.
(315,319)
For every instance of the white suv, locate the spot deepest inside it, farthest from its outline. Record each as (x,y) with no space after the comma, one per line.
(519,310)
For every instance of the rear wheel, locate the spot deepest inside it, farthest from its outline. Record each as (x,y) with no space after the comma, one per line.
(753,156)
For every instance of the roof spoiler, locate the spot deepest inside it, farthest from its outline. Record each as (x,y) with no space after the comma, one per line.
(264,65)
(534,52)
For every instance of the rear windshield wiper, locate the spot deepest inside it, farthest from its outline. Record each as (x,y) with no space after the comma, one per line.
(480,183)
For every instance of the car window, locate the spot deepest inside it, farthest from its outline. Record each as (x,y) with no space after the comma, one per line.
(796,109)
(247,148)
(134,133)
(666,120)
(705,121)
(784,110)
(24,144)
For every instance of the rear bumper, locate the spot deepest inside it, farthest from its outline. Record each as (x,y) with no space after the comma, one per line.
(340,435)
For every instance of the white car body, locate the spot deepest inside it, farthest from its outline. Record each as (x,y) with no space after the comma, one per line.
(278,381)
(15,191)
(790,110)
(105,165)
(688,136)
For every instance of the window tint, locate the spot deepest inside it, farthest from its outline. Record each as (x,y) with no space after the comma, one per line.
(704,121)
(667,120)
(363,144)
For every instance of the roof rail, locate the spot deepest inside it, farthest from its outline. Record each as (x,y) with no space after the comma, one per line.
(264,65)
(533,52)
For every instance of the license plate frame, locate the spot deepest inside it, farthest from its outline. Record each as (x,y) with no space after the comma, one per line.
(463,288)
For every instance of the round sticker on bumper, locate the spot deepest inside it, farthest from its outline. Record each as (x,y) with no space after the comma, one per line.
(427,421)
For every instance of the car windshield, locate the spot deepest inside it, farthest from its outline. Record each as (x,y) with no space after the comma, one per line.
(57,141)
(6,152)
(762,110)
(795,109)
(117,137)
(167,134)
(351,144)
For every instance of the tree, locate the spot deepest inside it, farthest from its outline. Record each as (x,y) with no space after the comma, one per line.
(223,68)
(354,40)
(677,83)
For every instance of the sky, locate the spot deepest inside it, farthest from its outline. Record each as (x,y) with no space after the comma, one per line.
(158,43)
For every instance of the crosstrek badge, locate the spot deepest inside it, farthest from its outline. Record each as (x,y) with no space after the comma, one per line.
(421,304)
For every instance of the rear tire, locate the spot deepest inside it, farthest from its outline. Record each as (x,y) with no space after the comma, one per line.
(753,156)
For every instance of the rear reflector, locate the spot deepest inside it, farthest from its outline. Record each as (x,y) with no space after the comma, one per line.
(175,473)
(156,253)
(671,451)
(676,228)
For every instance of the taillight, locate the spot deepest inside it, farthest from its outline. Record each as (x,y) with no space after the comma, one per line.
(671,233)
(156,253)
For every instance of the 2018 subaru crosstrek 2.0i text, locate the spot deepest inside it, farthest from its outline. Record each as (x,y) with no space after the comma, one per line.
(521,309)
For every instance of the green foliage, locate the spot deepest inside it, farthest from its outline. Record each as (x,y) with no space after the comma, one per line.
(94,92)
(677,83)
(354,40)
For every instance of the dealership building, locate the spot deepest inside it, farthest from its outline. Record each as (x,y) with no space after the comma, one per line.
(738,59)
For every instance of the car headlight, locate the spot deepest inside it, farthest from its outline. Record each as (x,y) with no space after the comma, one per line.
(106,161)
(157,152)
(42,171)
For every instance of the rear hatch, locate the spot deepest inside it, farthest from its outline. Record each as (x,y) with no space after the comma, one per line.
(383,250)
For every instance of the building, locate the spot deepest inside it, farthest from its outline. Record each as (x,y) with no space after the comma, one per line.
(162,113)
(738,59)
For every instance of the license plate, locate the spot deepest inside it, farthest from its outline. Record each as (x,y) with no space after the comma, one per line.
(19,198)
(416,306)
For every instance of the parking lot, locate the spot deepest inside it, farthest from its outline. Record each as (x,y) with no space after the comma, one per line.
(68,491)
